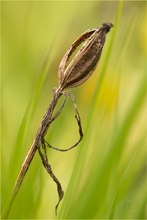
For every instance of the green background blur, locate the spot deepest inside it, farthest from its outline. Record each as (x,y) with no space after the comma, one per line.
(105,176)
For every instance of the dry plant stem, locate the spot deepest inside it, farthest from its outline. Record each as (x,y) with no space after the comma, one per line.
(38,140)
(39,144)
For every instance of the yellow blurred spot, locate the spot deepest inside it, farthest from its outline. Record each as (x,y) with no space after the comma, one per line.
(108,95)
(143,34)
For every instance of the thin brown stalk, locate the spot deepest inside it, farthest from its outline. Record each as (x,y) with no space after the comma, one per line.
(45,123)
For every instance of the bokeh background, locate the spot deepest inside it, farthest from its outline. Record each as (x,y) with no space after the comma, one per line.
(105,176)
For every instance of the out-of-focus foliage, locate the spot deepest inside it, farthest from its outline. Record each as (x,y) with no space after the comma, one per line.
(104,177)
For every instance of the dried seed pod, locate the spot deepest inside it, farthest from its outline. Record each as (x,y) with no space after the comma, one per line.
(84,62)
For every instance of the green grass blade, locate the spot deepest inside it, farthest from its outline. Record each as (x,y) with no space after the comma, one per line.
(82,149)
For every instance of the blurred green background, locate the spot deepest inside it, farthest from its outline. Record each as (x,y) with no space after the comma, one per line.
(105,176)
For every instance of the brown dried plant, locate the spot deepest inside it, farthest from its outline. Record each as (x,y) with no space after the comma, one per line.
(74,74)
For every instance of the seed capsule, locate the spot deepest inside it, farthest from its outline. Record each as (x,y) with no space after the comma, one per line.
(84,62)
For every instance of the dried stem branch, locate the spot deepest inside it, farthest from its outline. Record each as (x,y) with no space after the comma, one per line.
(38,141)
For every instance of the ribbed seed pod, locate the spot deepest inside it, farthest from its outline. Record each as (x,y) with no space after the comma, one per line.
(84,62)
